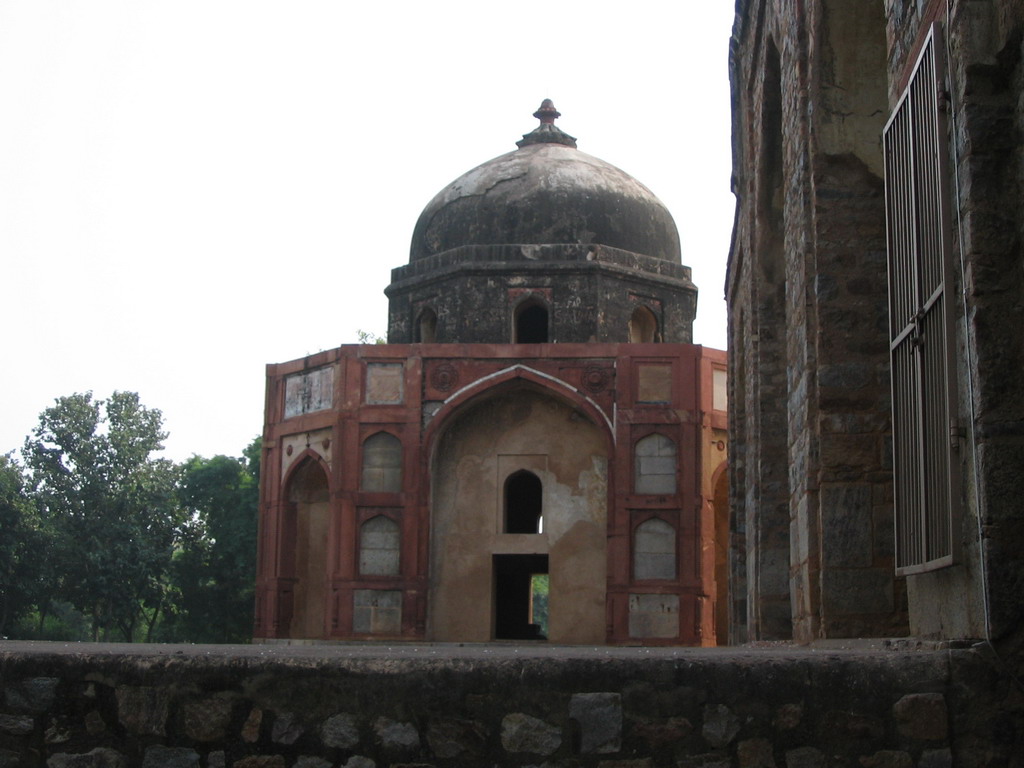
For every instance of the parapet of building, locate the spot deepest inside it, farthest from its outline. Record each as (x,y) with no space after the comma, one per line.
(539,451)
(874,287)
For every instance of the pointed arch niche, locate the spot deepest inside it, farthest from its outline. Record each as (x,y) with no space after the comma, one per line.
(531,322)
(426,326)
(307,523)
(643,326)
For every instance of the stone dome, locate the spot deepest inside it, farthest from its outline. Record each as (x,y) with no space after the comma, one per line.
(546,192)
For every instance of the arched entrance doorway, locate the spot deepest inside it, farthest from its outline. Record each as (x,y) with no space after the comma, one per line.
(519,490)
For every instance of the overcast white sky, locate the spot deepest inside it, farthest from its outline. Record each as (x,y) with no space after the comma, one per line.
(190,189)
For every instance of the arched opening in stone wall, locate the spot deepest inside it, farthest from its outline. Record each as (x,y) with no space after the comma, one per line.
(306,532)
(768,519)
(523,503)
(426,326)
(531,322)
(643,326)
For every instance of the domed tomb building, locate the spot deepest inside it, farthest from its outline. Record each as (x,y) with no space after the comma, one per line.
(537,454)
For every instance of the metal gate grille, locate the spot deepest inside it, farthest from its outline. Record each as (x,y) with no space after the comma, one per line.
(917,224)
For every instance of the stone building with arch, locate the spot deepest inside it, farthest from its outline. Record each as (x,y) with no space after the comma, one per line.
(538,413)
(875,291)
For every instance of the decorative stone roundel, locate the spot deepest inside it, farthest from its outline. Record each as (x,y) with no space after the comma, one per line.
(445,377)
(596,379)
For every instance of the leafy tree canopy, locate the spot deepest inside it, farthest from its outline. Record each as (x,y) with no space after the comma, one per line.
(109,506)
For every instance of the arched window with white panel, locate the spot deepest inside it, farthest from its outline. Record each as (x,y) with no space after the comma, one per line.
(655,465)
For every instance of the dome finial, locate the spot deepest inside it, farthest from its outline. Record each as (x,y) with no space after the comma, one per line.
(547,114)
(547,132)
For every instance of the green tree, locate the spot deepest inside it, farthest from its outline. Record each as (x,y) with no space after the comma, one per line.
(214,571)
(22,546)
(111,507)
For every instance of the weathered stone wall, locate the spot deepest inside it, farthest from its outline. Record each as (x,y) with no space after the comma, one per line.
(314,707)
(843,66)
(807,289)
(590,292)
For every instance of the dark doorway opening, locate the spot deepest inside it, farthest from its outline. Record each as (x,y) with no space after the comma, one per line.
(532,324)
(523,493)
(520,597)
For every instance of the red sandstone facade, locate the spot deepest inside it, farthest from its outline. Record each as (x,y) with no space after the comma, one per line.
(418,394)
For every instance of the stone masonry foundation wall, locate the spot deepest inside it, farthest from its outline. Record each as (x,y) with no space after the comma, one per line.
(83,706)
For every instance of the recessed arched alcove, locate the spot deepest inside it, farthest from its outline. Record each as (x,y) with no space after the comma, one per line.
(307,523)
(426,326)
(531,323)
(643,326)
(555,460)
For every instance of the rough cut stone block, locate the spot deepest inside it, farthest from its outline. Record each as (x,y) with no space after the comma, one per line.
(396,737)
(600,719)
(922,716)
(358,761)
(340,731)
(451,738)
(16,725)
(9,759)
(36,694)
(97,758)
(887,758)
(805,757)
(522,733)
(58,732)
(286,729)
(207,719)
(755,753)
(312,761)
(158,756)
(94,723)
(216,759)
(142,710)
(720,726)
(251,726)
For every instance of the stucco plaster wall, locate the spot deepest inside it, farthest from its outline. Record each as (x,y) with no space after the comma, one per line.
(518,429)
